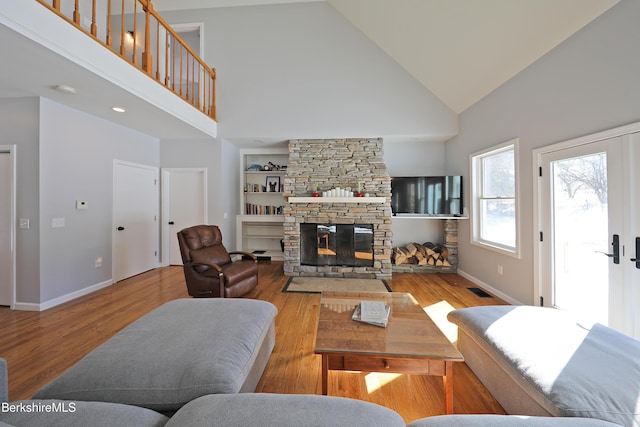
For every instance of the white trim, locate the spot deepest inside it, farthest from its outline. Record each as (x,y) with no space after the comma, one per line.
(489,288)
(26,306)
(537,202)
(13,157)
(164,213)
(155,169)
(474,189)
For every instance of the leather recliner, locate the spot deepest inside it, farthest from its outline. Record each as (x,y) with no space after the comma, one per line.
(208,268)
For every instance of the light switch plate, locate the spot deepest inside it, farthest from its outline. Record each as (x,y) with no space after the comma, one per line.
(57,223)
(81,204)
(23,224)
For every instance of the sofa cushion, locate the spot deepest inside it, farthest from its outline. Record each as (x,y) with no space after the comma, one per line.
(279,410)
(46,413)
(180,351)
(580,370)
(507,421)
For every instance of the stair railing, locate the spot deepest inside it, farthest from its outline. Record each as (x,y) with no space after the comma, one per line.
(133,30)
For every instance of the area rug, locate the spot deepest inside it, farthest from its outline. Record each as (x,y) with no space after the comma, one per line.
(316,285)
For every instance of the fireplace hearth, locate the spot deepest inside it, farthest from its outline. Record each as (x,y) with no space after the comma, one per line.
(347,245)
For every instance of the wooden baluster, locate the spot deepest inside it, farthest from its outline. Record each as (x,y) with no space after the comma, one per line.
(134,59)
(147,58)
(76,13)
(94,28)
(56,5)
(166,59)
(158,52)
(123,50)
(180,69)
(173,62)
(109,39)
(193,80)
(187,77)
(203,91)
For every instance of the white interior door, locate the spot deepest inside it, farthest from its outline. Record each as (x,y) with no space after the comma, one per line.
(7,225)
(184,205)
(583,207)
(135,219)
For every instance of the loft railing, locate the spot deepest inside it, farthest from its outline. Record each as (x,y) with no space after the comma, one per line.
(136,32)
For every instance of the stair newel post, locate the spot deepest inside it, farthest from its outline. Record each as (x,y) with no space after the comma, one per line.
(214,112)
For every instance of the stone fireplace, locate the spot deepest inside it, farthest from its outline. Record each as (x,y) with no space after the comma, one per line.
(345,237)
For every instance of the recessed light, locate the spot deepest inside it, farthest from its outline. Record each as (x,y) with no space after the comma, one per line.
(65,89)
(118,109)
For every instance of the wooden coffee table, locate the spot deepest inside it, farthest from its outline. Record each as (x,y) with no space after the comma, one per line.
(411,343)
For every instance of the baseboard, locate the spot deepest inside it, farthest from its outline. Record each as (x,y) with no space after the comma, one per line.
(489,288)
(27,306)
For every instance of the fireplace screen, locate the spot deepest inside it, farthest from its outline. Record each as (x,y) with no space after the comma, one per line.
(336,244)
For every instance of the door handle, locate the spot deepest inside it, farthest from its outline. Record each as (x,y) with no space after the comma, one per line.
(637,258)
(616,249)
(171,222)
(120,228)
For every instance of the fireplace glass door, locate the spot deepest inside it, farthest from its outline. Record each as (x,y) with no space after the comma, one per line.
(336,244)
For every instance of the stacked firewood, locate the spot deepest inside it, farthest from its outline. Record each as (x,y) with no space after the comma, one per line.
(426,254)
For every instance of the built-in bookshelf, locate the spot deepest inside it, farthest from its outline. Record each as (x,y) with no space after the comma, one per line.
(259,225)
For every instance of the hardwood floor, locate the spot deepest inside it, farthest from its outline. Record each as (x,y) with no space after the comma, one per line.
(40,346)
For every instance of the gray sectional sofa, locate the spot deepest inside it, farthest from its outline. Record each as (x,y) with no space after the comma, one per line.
(543,362)
(196,363)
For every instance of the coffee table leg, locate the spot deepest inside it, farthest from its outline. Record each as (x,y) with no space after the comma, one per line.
(447,379)
(325,373)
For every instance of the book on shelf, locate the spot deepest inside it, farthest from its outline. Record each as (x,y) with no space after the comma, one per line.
(251,209)
(372,312)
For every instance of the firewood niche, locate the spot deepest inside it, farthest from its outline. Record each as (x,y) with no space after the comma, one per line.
(428,253)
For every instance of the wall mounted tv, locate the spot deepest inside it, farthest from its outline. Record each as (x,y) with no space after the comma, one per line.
(427,195)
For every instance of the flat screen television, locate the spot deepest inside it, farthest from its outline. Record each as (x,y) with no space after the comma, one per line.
(427,195)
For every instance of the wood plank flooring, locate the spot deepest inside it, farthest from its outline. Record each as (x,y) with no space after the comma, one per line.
(40,346)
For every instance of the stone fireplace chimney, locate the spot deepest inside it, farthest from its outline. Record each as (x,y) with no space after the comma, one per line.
(322,165)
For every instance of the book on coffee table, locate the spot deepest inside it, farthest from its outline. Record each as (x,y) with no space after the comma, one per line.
(372,312)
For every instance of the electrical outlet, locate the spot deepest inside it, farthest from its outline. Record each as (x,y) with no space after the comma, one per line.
(99,262)
(57,223)
(500,270)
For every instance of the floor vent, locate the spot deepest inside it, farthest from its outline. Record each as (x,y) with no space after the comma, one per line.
(479,292)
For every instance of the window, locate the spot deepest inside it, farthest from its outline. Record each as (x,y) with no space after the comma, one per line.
(494,182)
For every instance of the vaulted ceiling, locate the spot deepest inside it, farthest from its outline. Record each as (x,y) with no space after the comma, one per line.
(460,50)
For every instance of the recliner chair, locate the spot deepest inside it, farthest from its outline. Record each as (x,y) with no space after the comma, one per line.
(208,268)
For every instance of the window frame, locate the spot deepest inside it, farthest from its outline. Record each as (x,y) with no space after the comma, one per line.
(477,174)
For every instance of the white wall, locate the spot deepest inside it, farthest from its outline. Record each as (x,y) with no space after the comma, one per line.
(303,71)
(587,84)
(209,154)
(19,119)
(77,152)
